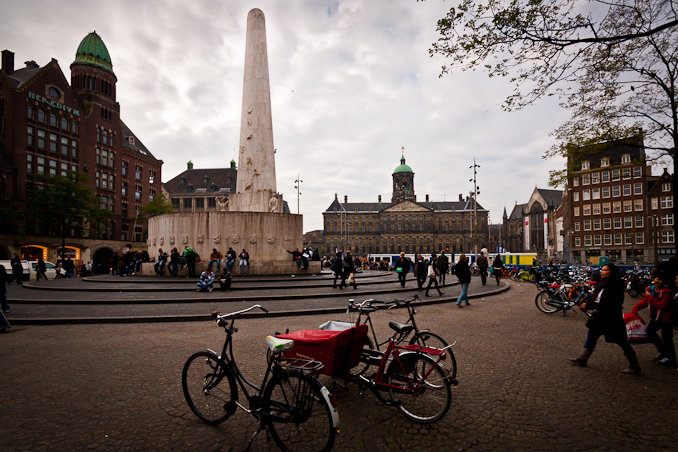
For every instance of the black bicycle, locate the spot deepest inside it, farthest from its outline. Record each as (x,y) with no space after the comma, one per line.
(407,332)
(295,408)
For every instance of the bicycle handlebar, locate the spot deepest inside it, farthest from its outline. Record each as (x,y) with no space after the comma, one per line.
(218,316)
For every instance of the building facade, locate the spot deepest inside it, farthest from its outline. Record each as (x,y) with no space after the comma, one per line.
(404,225)
(616,207)
(50,126)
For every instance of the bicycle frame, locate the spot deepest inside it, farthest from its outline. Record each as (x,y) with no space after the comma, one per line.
(397,337)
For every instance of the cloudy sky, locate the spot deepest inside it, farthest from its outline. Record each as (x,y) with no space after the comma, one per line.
(352,82)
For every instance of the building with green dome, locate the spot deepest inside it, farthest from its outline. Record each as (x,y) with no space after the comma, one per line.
(49,126)
(402,225)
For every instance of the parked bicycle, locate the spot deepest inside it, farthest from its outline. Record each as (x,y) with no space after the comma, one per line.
(554,297)
(404,333)
(291,403)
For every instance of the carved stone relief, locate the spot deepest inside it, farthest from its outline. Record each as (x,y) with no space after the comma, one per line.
(162,240)
(172,240)
(235,238)
(216,238)
(222,203)
(253,238)
(184,239)
(270,238)
(200,239)
(273,204)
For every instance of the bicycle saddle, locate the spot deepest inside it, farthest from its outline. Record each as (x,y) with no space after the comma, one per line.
(400,327)
(277,345)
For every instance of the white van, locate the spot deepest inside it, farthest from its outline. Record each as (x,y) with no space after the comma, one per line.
(24,264)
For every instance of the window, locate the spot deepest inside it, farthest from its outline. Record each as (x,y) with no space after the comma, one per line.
(596,224)
(29,112)
(638,205)
(64,145)
(667,220)
(628,238)
(137,173)
(74,126)
(595,178)
(639,221)
(666,202)
(667,236)
(64,124)
(576,211)
(606,192)
(74,148)
(605,162)
(626,158)
(53,142)
(41,115)
(587,225)
(627,189)
(628,206)
(575,196)
(616,207)
(585,165)
(576,226)
(137,193)
(151,177)
(577,241)
(587,240)
(199,202)
(595,193)
(617,223)
(654,203)
(617,239)
(587,209)
(586,195)
(666,187)
(52,120)
(124,188)
(640,238)
(607,208)
(585,179)
(615,174)
(575,182)
(637,171)
(605,176)
(616,191)
(626,173)
(125,164)
(597,240)
(607,223)
(29,136)
(607,239)
(596,209)
(628,222)
(637,188)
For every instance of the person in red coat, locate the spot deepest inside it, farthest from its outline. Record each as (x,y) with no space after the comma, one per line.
(659,298)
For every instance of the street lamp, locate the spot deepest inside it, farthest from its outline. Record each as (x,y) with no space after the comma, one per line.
(298,187)
(474,194)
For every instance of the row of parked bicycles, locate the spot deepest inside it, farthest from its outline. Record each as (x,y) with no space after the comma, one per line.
(565,289)
(412,370)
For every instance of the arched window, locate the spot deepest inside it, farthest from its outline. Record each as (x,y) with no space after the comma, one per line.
(41,115)
(52,120)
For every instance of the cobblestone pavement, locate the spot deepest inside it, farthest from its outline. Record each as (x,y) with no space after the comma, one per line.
(117,387)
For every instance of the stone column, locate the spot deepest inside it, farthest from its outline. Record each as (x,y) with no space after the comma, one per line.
(256,162)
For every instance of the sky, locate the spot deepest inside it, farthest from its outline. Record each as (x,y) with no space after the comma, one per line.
(352,83)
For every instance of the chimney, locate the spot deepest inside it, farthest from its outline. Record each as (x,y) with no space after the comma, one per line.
(426,198)
(345,199)
(461,198)
(8,61)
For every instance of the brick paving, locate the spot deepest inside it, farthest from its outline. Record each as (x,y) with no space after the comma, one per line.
(116,387)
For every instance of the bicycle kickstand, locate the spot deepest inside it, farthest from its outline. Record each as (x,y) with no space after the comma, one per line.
(261,427)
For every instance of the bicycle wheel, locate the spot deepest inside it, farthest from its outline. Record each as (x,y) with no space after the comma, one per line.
(428,339)
(298,415)
(208,396)
(424,395)
(364,363)
(542,301)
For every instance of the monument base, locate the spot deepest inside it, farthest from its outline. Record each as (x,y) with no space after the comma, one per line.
(272,268)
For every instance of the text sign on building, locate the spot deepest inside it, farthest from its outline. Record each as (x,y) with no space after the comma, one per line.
(53,104)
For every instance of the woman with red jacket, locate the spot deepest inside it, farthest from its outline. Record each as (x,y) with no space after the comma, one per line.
(659,298)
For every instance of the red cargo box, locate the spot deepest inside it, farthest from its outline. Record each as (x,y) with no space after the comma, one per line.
(339,351)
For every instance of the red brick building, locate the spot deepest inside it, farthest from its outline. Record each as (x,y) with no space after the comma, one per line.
(49,126)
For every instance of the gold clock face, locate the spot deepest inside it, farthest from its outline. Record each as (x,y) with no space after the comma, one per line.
(404,179)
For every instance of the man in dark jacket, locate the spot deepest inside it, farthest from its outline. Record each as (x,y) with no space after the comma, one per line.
(483,264)
(464,274)
(17,270)
(443,266)
(337,263)
(420,271)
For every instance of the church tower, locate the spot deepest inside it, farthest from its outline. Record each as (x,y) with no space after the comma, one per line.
(403,183)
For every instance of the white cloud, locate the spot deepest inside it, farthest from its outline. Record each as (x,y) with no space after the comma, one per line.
(351,82)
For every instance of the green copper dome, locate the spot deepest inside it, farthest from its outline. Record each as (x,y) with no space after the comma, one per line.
(402,168)
(92,50)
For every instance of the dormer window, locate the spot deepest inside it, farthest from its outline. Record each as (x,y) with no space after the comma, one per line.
(205,180)
(585,165)
(626,158)
(54,93)
(605,162)
(131,140)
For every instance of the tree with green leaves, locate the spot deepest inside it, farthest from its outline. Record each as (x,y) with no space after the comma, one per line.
(158,206)
(612,63)
(60,205)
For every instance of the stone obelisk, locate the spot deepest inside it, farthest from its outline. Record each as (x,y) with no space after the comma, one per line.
(256,187)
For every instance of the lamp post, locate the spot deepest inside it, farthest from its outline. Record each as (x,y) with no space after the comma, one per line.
(474,194)
(654,232)
(298,187)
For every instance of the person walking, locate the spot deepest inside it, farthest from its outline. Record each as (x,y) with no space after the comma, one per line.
(230,258)
(348,275)
(659,298)
(433,275)
(190,256)
(159,266)
(244,262)
(463,273)
(497,267)
(215,256)
(482,267)
(607,319)
(336,267)
(225,278)
(17,270)
(402,266)
(206,281)
(40,269)
(420,271)
(443,266)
